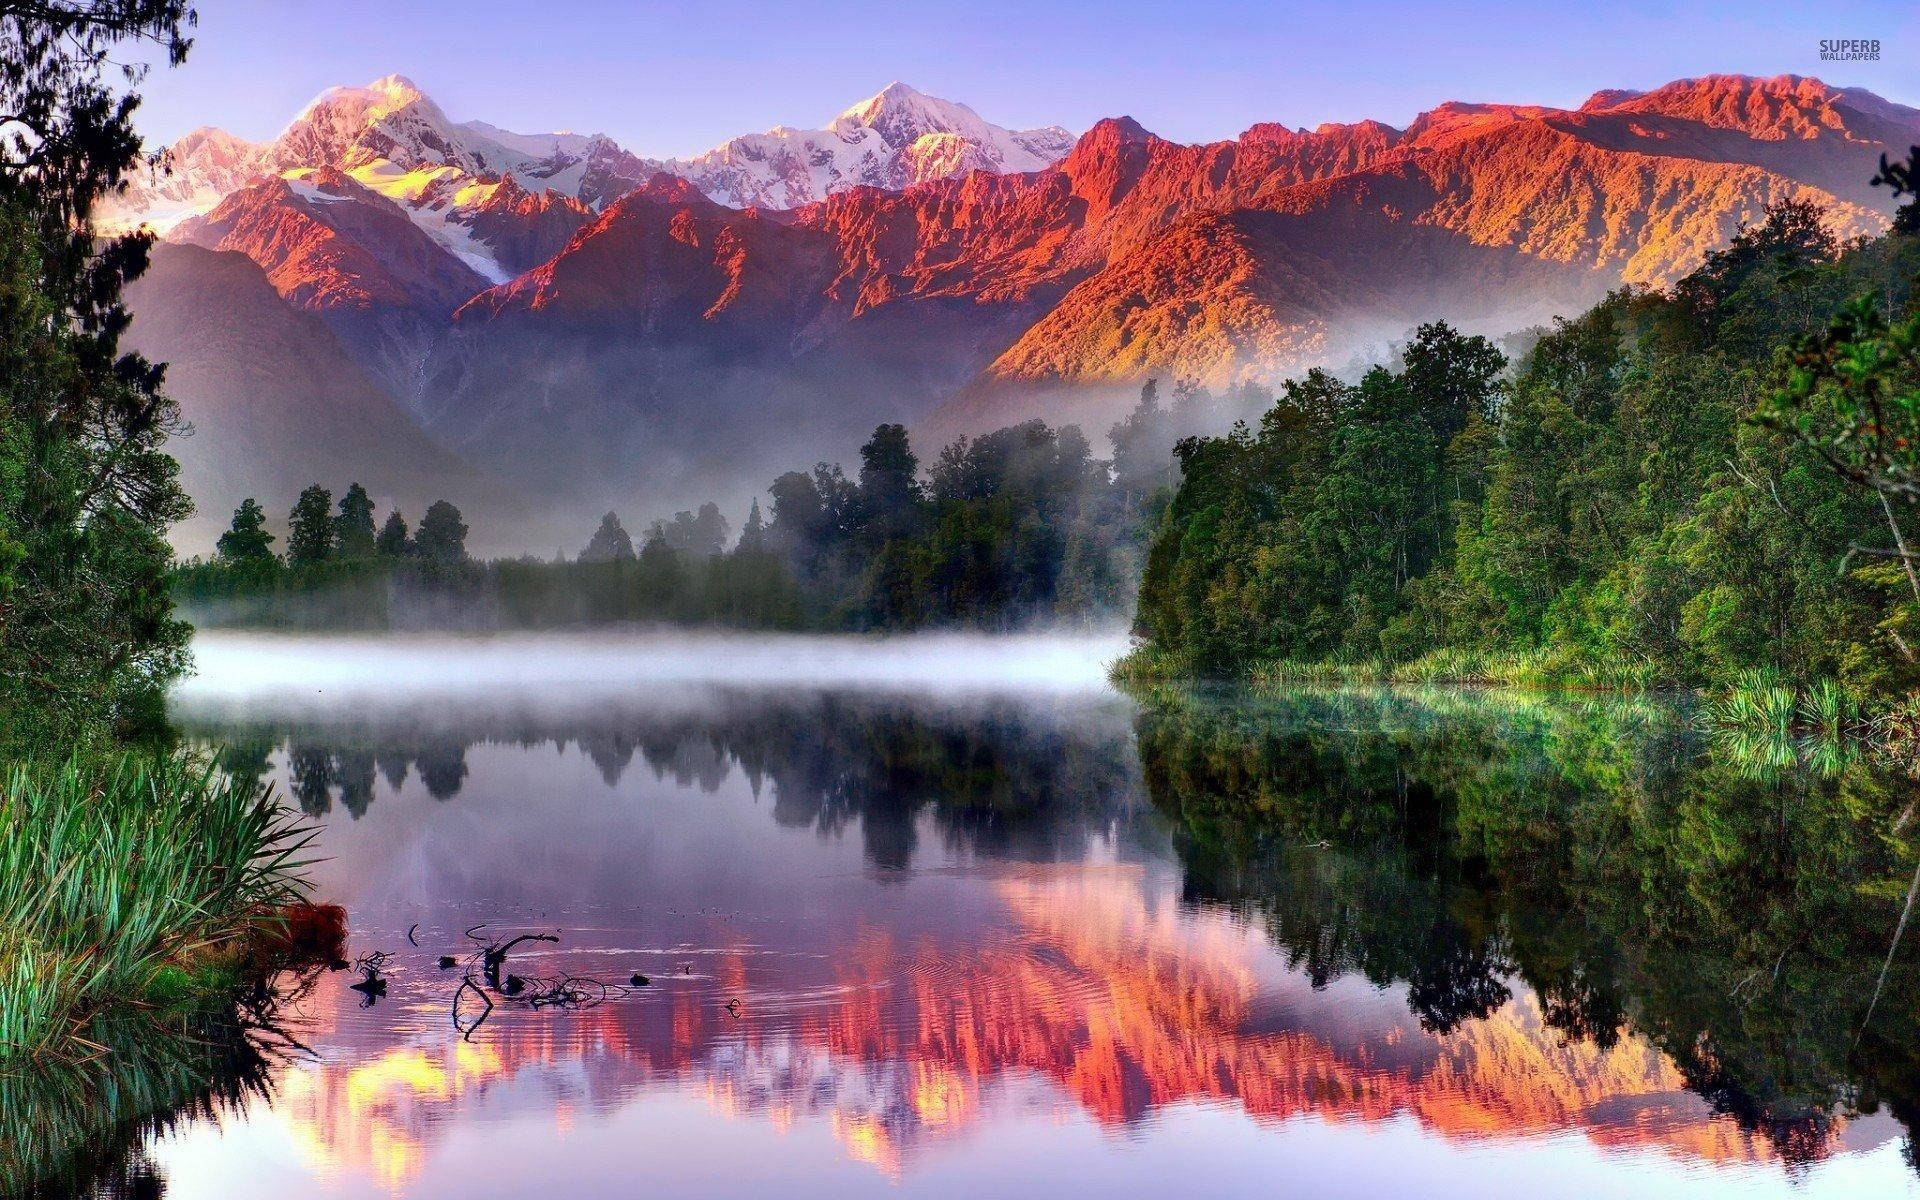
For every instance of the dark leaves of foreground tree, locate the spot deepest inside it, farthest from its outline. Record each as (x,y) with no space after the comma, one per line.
(1851,393)
(1903,179)
(86,492)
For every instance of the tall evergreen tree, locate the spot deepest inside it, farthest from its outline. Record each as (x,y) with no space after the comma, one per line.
(889,486)
(310,529)
(710,530)
(392,541)
(442,536)
(353,528)
(753,535)
(663,573)
(86,489)
(247,539)
(610,542)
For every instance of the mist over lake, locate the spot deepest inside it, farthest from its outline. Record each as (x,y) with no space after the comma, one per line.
(239,665)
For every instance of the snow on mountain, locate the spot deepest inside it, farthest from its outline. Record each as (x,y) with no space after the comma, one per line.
(392,139)
(390,119)
(893,139)
(390,130)
(203,167)
(532,146)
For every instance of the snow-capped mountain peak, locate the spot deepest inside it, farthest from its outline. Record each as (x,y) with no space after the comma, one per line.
(897,137)
(903,115)
(393,140)
(390,119)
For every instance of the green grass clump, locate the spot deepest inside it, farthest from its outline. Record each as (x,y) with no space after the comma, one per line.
(1145,664)
(1829,708)
(118,867)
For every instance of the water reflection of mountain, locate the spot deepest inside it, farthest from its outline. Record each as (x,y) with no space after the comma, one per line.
(1502,918)
(1103,998)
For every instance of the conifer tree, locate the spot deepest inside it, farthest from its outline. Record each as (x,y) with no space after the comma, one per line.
(610,542)
(310,531)
(87,490)
(442,536)
(247,539)
(353,528)
(392,541)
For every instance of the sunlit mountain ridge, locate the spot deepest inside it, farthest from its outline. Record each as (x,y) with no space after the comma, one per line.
(553,310)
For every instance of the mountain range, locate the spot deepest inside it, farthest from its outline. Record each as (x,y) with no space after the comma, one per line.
(555,316)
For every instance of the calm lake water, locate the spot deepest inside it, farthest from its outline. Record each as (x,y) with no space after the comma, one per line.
(955,918)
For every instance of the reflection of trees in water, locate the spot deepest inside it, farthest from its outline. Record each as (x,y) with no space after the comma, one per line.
(442,764)
(83,1128)
(1002,777)
(1450,846)
(1628,875)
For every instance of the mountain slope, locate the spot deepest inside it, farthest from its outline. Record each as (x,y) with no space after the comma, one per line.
(333,247)
(662,345)
(273,400)
(1134,257)
(1547,210)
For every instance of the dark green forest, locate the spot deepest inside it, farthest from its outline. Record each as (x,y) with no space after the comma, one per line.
(1674,487)
(1016,526)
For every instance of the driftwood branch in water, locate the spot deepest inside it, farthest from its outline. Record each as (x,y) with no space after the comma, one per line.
(564,990)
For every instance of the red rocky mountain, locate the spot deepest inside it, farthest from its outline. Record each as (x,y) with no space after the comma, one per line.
(661,341)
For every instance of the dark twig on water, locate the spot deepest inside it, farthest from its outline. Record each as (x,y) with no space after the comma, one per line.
(489,982)
(373,984)
(467,1028)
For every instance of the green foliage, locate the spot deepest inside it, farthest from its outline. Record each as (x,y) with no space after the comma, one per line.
(442,536)
(353,535)
(247,539)
(1633,506)
(392,541)
(86,491)
(117,865)
(609,543)
(1302,539)
(310,528)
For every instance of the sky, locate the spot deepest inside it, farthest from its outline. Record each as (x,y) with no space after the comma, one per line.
(675,79)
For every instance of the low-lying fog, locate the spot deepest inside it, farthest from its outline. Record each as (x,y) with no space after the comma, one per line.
(231,665)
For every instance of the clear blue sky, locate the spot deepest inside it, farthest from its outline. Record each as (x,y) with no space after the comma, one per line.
(669,79)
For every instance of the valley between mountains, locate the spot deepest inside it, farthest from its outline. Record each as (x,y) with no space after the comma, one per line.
(541,326)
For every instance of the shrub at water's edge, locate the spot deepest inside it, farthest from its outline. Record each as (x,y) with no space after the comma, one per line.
(132,879)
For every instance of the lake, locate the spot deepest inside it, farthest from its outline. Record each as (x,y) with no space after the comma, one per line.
(953,917)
